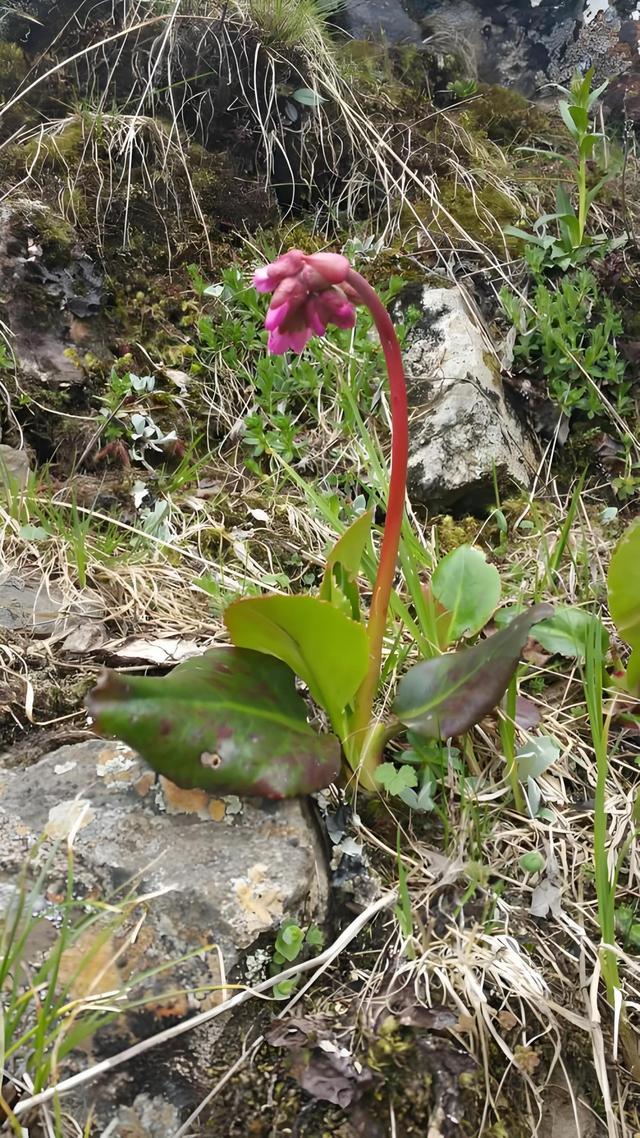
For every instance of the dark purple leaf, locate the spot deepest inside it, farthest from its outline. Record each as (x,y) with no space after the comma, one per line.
(445,696)
(527,713)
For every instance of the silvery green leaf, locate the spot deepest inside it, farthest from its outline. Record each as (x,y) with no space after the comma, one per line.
(536,756)
(308,98)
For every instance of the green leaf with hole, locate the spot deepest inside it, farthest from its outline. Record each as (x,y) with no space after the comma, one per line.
(623,584)
(446,695)
(339,583)
(229,722)
(468,588)
(567,632)
(322,645)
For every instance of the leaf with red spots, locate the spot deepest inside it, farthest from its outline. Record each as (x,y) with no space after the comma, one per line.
(229,722)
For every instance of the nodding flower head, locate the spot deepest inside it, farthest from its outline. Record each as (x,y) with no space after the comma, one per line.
(310,291)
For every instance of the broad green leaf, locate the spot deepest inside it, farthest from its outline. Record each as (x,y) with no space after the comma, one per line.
(343,565)
(284,989)
(323,646)
(395,779)
(587,145)
(468,588)
(30,532)
(445,696)
(229,722)
(536,756)
(421,800)
(563,202)
(567,632)
(595,94)
(533,796)
(289,940)
(623,584)
(580,117)
(314,937)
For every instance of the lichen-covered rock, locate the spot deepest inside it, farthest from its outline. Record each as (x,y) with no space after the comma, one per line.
(50,294)
(462,428)
(220,874)
(527,43)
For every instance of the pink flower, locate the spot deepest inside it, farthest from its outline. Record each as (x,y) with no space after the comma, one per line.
(310,291)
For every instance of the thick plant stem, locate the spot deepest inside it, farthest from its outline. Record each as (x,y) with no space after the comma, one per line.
(366,738)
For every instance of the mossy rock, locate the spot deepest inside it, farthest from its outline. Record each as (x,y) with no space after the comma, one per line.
(504,116)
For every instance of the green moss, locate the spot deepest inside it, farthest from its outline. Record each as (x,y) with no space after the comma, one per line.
(56,151)
(482,214)
(452,534)
(13,69)
(507,118)
(56,235)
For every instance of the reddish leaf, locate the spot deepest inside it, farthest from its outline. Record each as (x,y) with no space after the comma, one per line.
(445,696)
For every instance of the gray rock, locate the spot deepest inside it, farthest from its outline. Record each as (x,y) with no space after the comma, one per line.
(58,281)
(461,424)
(389,19)
(30,604)
(221,874)
(527,43)
(14,470)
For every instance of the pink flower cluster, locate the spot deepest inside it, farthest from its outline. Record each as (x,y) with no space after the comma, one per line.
(309,292)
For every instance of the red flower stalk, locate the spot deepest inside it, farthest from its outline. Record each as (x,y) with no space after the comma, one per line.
(311,291)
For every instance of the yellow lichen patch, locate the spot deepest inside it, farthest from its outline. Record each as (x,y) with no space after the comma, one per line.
(144,783)
(217,809)
(68,817)
(261,901)
(179,801)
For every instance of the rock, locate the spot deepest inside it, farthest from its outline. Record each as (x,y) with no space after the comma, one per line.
(461,425)
(375,19)
(218,875)
(527,43)
(31,604)
(14,470)
(50,295)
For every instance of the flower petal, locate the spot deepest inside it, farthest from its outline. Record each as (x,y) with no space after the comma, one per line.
(334,308)
(314,317)
(333,267)
(291,289)
(281,341)
(262,281)
(276,315)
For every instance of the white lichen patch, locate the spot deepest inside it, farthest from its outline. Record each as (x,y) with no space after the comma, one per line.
(67,818)
(117,765)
